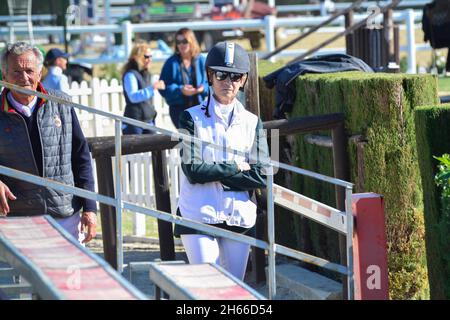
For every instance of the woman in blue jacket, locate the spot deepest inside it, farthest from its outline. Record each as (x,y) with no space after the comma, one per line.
(184,75)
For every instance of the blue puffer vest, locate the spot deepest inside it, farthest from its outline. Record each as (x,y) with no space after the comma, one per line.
(55,130)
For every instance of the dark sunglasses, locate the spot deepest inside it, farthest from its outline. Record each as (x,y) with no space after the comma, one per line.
(148,56)
(184,41)
(222,75)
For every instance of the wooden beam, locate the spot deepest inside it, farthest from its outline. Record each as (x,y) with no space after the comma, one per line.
(107,213)
(162,197)
(102,147)
(252,89)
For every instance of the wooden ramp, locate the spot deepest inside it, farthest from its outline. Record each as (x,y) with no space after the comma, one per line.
(56,265)
(206,281)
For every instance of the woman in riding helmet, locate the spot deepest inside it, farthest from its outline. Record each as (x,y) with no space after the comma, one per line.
(216,185)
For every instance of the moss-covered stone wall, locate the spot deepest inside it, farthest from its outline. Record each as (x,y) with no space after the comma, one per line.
(433,139)
(379,108)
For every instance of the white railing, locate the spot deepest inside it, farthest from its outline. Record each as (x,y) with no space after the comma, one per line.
(138,184)
(109,97)
(322,7)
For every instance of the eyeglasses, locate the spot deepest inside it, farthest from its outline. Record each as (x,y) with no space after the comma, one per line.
(184,41)
(148,56)
(222,75)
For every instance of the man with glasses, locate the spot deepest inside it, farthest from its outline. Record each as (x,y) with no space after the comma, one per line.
(216,185)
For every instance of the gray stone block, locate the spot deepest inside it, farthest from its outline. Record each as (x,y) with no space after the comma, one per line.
(306,285)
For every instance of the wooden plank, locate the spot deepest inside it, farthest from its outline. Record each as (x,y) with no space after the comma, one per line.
(310,208)
(204,281)
(67,271)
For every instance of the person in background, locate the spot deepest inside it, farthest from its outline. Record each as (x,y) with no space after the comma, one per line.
(44,138)
(138,90)
(56,62)
(184,75)
(215,185)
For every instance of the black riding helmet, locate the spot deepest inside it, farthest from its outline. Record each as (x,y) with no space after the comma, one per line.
(227,57)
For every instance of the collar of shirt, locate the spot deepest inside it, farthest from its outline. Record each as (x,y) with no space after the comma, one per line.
(231,111)
(26,110)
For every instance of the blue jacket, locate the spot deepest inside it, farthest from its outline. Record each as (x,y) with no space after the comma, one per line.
(171,75)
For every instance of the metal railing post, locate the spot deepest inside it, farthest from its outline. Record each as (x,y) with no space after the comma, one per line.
(349,214)
(410,34)
(127,35)
(269,26)
(118,193)
(271,234)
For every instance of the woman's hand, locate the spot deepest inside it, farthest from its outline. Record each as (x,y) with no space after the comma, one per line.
(188,90)
(200,89)
(159,85)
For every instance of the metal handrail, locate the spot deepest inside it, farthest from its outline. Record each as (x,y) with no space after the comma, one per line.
(175,136)
(119,204)
(271,246)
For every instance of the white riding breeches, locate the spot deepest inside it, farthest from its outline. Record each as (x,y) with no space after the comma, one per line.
(229,254)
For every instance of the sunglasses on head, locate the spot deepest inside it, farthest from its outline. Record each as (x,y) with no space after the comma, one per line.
(148,56)
(222,75)
(184,41)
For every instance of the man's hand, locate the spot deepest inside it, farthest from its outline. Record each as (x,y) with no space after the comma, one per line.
(89,222)
(5,194)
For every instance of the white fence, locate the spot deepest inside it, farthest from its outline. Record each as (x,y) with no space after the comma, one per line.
(109,97)
(137,173)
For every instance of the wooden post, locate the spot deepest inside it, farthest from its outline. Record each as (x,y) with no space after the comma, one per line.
(386,41)
(162,195)
(251,89)
(341,171)
(252,104)
(107,213)
(258,256)
(349,42)
(397,44)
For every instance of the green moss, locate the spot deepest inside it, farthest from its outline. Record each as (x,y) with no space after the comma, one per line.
(380,108)
(432,132)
